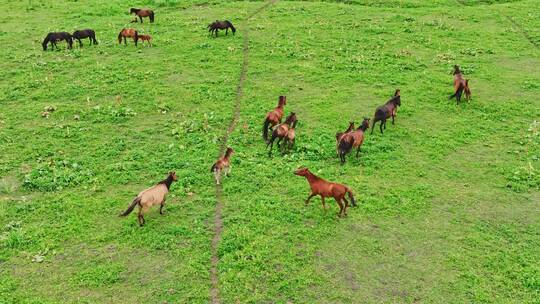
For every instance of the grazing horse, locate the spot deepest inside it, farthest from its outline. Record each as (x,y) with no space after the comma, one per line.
(352,140)
(290,137)
(146,38)
(339,135)
(54,37)
(281,131)
(389,109)
(460,84)
(274,117)
(221,25)
(324,188)
(128,32)
(87,33)
(222,164)
(142,13)
(152,196)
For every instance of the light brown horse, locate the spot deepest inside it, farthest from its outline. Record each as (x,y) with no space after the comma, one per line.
(460,84)
(352,140)
(142,13)
(155,195)
(274,117)
(324,188)
(146,38)
(290,137)
(389,109)
(128,32)
(281,131)
(339,135)
(222,164)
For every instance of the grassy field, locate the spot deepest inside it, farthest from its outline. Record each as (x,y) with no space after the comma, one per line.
(449,196)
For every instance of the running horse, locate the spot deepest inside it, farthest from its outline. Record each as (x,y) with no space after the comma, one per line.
(324,188)
(353,139)
(389,109)
(281,131)
(460,85)
(144,12)
(274,117)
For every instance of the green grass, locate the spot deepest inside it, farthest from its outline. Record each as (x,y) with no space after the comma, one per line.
(449,196)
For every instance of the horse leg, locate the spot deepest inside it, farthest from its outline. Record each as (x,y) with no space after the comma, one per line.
(226,31)
(381,126)
(373,125)
(357,151)
(340,206)
(346,205)
(80,42)
(141,19)
(323,203)
(140,216)
(125,40)
(309,197)
(161,206)
(393,116)
(217,176)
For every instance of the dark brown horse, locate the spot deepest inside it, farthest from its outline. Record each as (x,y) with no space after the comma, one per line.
(351,140)
(324,188)
(274,117)
(460,85)
(221,25)
(339,135)
(389,109)
(128,32)
(87,33)
(281,131)
(144,12)
(54,37)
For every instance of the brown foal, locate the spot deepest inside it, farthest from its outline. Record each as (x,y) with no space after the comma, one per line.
(222,164)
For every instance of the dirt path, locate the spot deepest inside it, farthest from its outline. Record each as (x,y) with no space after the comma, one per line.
(218,221)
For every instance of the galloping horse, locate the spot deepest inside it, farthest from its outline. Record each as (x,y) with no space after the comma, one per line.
(339,135)
(221,25)
(155,195)
(352,140)
(324,188)
(128,32)
(54,37)
(142,13)
(281,131)
(460,85)
(274,117)
(87,33)
(386,111)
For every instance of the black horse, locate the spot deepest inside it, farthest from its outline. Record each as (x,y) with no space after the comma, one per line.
(54,37)
(87,33)
(221,25)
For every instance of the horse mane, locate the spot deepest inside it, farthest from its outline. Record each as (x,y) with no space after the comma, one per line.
(134,10)
(167,182)
(394,99)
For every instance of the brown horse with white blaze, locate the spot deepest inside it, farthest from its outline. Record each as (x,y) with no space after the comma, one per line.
(460,85)
(128,33)
(274,117)
(155,195)
(324,188)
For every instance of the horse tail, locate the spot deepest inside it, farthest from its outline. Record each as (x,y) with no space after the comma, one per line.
(134,203)
(213,168)
(466,83)
(120,36)
(265,128)
(458,91)
(351,197)
(151,16)
(345,146)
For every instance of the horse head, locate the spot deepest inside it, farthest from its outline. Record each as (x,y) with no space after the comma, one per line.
(365,124)
(282,100)
(301,171)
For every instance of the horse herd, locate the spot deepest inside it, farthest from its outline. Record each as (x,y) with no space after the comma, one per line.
(54,37)
(284,132)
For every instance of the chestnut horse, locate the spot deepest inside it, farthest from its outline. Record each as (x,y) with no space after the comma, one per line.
(389,109)
(274,117)
(128,32)
(339,135)
(460,85)
(352,140)
(146,38)
(290,137)
(281,131)
(221,25)
(222,164)
(324,188)
(142,13)
(155,195)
